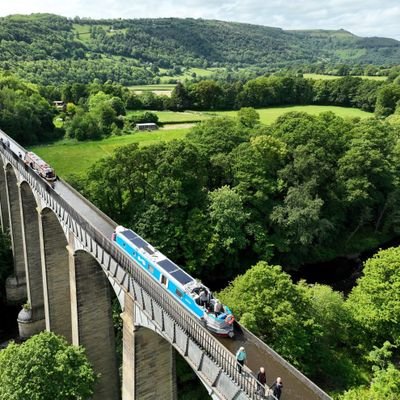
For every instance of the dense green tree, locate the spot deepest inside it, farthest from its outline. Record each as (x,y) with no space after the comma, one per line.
(50,92)
(138,117)
(176,183)
(133,102)
(348,92)
(45,367)
(300,216)
(387,100)
(206,95)
(268,303)
(255,165)
(385,382)
(394,119)
(335,365)
(227,221)
(274,90)
(344,90)
(309,209)
(180,99)
(100,119)
(24,114)
(366,174)
(117,105)
(366,94)
(374,302)
(215,139)
(150,101)
(248,117)
(83,126)
(78,91)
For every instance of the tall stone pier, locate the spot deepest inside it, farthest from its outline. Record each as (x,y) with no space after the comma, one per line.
(148,361)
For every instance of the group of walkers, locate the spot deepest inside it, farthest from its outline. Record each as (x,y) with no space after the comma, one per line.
(262,388)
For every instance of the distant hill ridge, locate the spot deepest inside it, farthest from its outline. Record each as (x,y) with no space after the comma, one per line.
(188,42)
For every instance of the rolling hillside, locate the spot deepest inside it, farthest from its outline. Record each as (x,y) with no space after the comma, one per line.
(29,43)
(227,43)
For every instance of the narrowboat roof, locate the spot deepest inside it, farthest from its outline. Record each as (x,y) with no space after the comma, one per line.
(157,257)
(38,160)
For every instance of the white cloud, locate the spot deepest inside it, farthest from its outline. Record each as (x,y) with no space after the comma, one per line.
(362,17)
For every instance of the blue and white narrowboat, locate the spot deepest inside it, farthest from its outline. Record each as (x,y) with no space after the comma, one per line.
(190,292)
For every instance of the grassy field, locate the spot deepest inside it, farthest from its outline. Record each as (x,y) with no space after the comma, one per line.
(73,157)
(150,88)
(177,117)
(83,31)
(269,115)
(171,117)
(187,74)
(330,77)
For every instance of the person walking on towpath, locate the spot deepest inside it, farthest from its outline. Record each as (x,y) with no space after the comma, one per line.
(241,358)
(277,388)
(262,380)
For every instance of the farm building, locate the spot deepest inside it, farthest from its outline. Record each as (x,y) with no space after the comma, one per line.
(147,126)
(60,105)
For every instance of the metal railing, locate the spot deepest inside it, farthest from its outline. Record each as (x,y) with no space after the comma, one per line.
(212,347)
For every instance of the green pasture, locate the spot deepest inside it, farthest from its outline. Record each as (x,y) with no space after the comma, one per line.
(83,30)
(187,74)
(151,88)
(171,117)
(73,157)
(330,77)
(178,117)
(269,115)
(204,72)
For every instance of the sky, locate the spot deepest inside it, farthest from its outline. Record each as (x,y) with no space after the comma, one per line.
(361,17)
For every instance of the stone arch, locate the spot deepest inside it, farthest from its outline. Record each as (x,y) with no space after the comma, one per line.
(34,280)
(4,217)
(146,339)
(92,322)
(140,313)
(55,271)
(16,285)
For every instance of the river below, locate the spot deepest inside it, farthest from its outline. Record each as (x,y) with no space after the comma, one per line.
(342,272)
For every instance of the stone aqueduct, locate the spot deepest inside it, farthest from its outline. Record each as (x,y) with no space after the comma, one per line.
(65,267)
